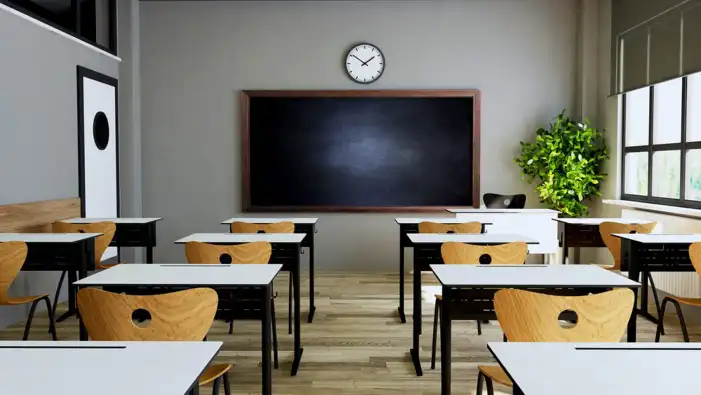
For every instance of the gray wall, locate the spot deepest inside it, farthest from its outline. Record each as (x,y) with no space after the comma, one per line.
(197,56)
(38,125)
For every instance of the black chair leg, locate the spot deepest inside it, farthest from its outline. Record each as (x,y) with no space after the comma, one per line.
(58,292)
(289,308)
(479,328)
(227,385)
(215,386)
(480,379)
(276,362)
(435,334)
(655,297)
(231,326)
(490,387)
(52,322)
(660,320)
(29,319)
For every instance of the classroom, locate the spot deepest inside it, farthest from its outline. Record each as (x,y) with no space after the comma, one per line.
(350,196)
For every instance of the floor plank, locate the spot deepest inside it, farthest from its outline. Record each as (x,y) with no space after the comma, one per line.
(355,345)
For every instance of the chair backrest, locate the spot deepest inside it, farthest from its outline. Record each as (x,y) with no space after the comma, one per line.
(527,316)
(276,227)
(179,316)
(12,257)
(606,229)
(257,252)
(505,254)
(101,242)
(695,256)
(434,227)
(494,200)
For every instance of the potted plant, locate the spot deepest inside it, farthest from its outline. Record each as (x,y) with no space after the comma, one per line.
(565,160)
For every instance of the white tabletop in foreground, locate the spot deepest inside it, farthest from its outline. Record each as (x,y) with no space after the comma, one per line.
(48,237)
(236,238)
(272,220)
(653,238)
(439,220)
(105,368)
(601,368)
(500,210)
(123,220)
(598,221)
(183,274)
(529,276)
(471,238)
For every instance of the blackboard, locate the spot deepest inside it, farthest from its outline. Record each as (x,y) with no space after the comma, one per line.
(360,150)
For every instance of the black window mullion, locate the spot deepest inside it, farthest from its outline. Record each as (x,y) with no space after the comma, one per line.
(650,141)
(75,9)
(623,144)
(113,25)
(682,155)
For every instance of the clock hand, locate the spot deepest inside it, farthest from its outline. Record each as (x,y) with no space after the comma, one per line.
(367,61)
(357,58)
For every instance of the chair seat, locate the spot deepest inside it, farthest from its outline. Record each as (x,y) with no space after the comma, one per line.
(496,373)
(686,301)
(21,300)
(213,372)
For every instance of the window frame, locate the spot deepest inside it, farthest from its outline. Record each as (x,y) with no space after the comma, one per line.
(75,32)
(683,147)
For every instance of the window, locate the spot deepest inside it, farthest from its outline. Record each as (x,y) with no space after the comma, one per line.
(661,155)
(93,21)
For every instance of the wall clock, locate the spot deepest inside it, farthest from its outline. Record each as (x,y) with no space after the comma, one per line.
(365,63)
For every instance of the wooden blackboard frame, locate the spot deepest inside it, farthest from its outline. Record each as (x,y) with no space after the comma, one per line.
(246,144)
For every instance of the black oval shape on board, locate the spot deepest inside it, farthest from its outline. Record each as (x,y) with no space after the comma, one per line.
(101,131)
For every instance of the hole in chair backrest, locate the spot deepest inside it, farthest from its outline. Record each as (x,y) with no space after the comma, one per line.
(81,231)
(225,258)
(633,231)
(485,259)
(260,231)
(141,318)
(450,231)
(567,319)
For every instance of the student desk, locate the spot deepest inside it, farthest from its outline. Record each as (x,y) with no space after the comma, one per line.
(538,222)
(408,226)
(255,280)
(427,250)
(131,232)
(305,226)
(596,368)
(288,247)
(642,253)
(105,368)
(584,232)
(72,252)
(468,294)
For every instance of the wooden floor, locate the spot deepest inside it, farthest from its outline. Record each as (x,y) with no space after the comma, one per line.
(356,344)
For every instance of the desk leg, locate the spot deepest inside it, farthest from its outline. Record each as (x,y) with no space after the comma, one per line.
(83,332)
(71,297)
(195,389)
(517,390)
(265,342)
(312,307)
(446,332)
(564,249)
(416,331)
(149,254)
(402,317)
(632,321)
(298,350)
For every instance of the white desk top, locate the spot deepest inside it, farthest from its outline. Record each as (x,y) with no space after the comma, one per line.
(122,220)
(139,368)
(472,238)
(237,238)
(184,274)
(270,220)
(501,210)
(653,238)
(47,237)
(627,369)
(440,220)
(598,221)
(529,276)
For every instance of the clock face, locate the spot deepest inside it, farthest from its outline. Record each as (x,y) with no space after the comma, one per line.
(365,63)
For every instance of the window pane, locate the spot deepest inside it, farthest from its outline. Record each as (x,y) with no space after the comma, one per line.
(693,175)
(667,116)
(637,117)
(693,107)
(666,174)
(636,173)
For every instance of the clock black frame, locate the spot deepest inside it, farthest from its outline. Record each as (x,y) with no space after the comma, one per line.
(345,64)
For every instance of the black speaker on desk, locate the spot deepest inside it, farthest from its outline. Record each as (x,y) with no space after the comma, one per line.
(494,200)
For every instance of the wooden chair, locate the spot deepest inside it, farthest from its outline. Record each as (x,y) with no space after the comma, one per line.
(12,257)
(433,227)
(494,200)
(461,253)
(695,256)
(177,316)
(107,229)
(607,229)
(527,316)
(249,253)
(275,227)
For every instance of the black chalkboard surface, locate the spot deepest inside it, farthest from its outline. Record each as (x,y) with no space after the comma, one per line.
(360,150)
